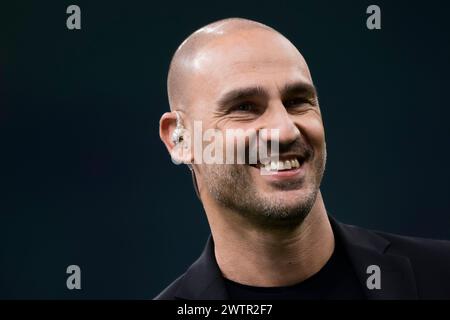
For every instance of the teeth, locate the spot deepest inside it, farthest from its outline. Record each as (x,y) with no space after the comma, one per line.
(273,165)
(287,164)
(282,165)
(293,164)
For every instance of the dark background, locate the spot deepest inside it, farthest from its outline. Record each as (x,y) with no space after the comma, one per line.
(85,180)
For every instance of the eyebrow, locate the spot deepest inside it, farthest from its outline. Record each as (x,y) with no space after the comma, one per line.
(240,94)
(299,88)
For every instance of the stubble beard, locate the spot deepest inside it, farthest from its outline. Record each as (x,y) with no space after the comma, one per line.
(233,188)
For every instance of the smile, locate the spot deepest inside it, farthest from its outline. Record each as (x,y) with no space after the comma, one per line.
(283,163)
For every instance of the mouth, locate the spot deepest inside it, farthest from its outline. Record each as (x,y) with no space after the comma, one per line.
(280,163)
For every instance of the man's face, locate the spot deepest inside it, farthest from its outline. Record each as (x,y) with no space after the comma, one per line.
(255,79)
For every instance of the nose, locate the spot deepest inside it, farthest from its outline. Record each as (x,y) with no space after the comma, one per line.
(278,118)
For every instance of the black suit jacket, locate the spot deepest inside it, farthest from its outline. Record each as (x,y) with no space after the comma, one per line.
(411,268)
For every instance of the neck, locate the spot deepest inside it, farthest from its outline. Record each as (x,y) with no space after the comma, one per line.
(254,256)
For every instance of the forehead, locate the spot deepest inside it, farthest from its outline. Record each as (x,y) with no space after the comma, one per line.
(248,58)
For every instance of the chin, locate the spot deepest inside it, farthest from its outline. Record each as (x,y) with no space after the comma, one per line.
(292,199)
(291,193)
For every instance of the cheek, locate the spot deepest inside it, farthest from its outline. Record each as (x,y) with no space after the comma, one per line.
(234,149)
(312,128)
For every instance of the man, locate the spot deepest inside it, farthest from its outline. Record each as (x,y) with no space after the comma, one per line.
(271,235)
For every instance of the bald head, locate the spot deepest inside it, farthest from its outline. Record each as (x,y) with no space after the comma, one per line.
(190,55)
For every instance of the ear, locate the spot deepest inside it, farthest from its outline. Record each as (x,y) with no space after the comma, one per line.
(167,125)
(181,152)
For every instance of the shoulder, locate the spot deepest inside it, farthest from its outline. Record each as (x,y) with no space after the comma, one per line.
(169,292)
(417,248)
(412,247)
(429,260)
(201,281)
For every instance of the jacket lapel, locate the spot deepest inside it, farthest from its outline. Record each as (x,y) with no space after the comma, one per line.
(366,248)
(203,280)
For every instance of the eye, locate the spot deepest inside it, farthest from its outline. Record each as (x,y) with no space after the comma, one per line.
(244,107)
(296,102)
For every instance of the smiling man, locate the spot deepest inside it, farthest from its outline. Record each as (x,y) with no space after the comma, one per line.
(271,235)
